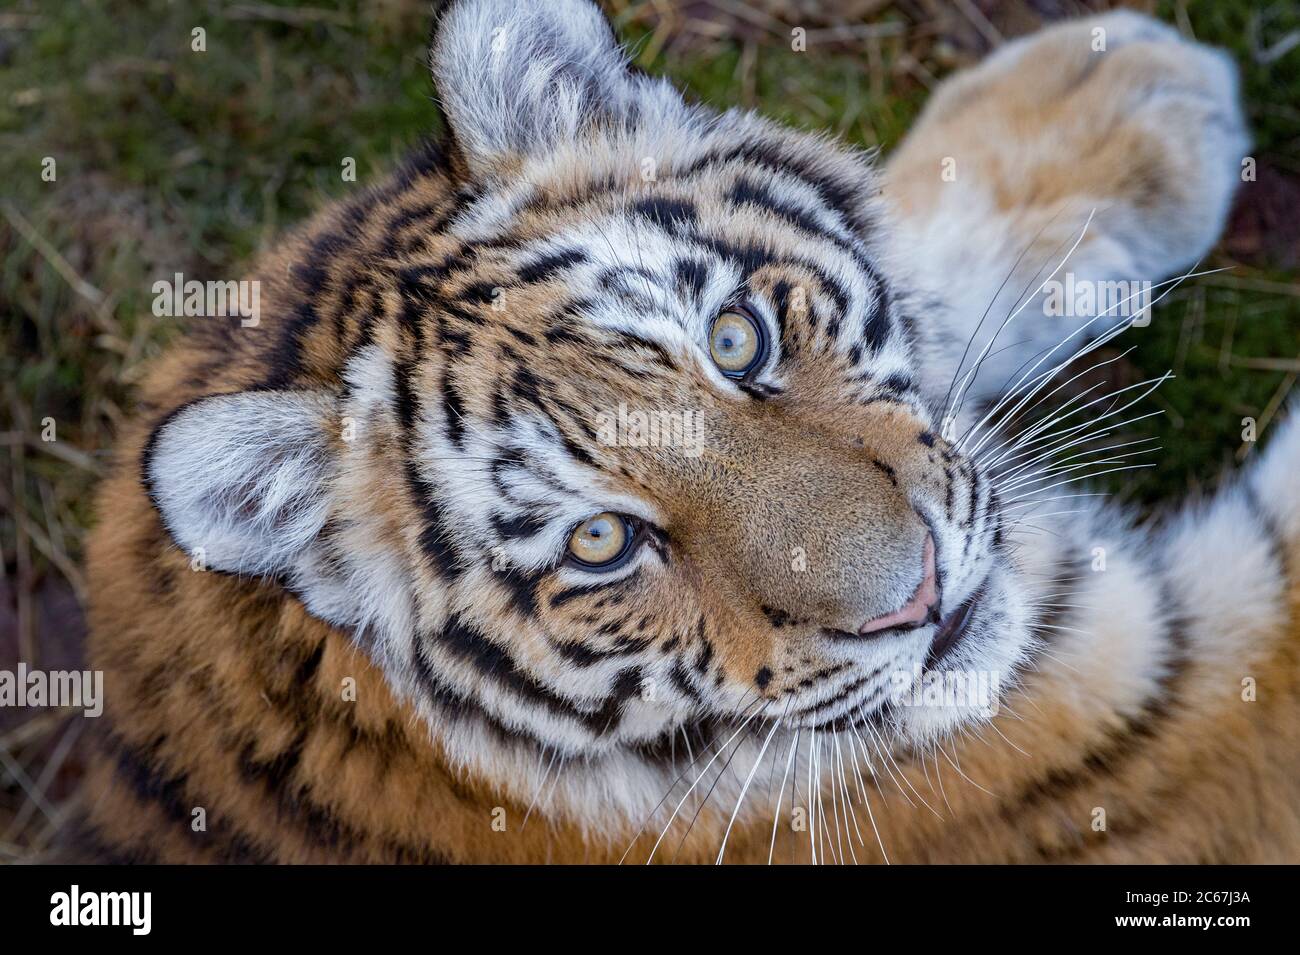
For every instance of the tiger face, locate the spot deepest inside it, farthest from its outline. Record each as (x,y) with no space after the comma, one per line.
(626,436)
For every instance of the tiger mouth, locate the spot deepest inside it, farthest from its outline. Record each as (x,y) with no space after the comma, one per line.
(871,705)
(953,628)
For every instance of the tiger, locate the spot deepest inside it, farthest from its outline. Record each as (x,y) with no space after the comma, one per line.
(625,480)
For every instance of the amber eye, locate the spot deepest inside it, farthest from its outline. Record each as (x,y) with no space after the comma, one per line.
(601,541)
(736,343)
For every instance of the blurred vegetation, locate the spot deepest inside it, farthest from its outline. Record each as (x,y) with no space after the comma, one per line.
(168,159)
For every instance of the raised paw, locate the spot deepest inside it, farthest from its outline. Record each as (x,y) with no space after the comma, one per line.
(1098,153)
(1116,113)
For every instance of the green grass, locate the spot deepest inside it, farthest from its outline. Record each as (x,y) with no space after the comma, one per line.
(175,160)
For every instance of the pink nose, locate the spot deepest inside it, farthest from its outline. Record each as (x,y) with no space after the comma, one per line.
(916,609)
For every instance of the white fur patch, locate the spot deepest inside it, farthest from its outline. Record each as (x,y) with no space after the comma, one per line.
(517,79)
(241,480)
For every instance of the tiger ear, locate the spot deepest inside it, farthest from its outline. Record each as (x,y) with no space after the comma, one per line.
(519,77)
(242,481)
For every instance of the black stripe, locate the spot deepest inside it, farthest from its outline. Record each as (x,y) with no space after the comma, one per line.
(494,663)
(572,593)
(747,192)
(548,265)
(781,299)
(138,769)
(692,276)
(310,274)
(513,528)
(453,411)
(583,655)
(522,585)
(674,216)
(435,542)
(876,326)
(681,679)
(408,405)
(897,386)
(843,198)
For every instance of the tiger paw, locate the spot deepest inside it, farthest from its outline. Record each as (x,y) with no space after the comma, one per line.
(1115,113)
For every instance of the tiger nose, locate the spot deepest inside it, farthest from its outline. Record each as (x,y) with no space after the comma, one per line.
(917,610)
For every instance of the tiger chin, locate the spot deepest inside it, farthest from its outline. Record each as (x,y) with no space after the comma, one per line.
(622,480)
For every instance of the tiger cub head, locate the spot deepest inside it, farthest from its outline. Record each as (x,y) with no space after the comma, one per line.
(632,438)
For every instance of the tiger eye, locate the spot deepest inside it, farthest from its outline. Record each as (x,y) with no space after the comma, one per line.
(600,540)
(735,343)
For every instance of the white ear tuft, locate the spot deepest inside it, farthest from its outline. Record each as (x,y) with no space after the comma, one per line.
(518,77)
(242,480)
